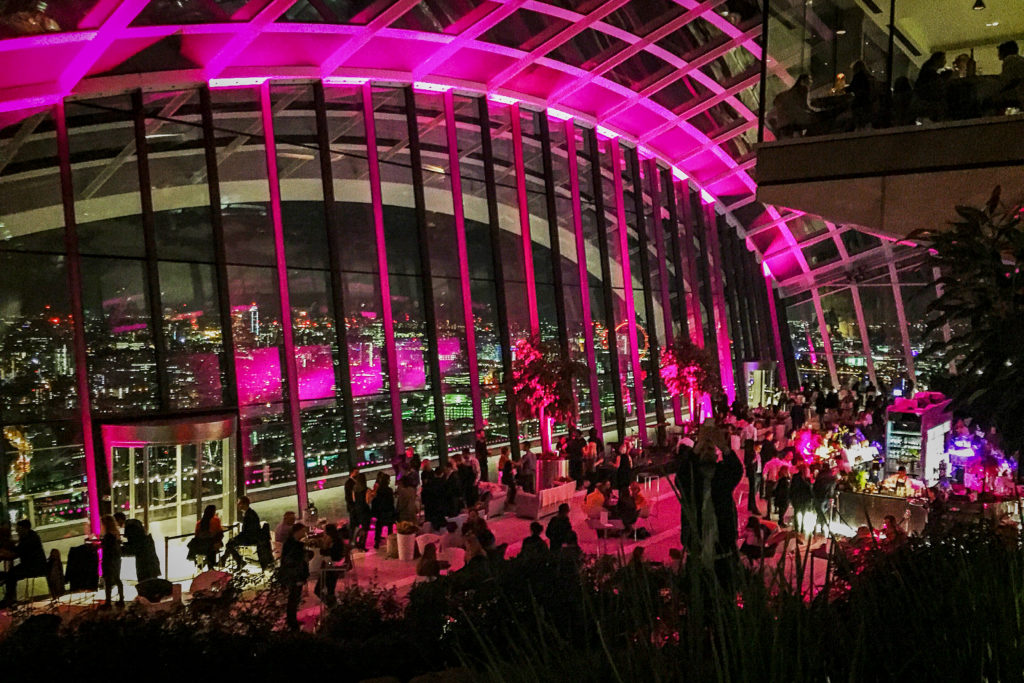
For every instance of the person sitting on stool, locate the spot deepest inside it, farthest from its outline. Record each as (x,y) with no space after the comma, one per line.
(249,534)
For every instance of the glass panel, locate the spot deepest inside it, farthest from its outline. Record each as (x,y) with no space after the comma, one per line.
(192,335)
(436,15)
(809,353)
(118,335)
(31,212)
(165,12)
(256,328)
(267,443)
(30,19)
(45,472)
(847,349)
(883,332)
(37,360)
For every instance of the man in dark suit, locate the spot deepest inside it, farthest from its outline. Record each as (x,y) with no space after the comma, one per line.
(32,561)
(248,535)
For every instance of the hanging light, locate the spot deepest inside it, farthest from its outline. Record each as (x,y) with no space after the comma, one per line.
(979,4)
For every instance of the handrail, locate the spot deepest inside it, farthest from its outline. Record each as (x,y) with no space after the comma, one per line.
(168,539)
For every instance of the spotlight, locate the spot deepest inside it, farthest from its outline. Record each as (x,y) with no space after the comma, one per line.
(979,4)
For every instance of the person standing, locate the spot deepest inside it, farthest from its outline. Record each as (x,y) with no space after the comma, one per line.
(750,467)
(533,545)
(294,571)
(383,508)
(780,495)
(528,469)
(507,472)
(481,454)
(110,546)
(574,453)
(770,473)
(559,527)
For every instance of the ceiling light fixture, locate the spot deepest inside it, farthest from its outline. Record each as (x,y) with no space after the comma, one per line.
(979,5)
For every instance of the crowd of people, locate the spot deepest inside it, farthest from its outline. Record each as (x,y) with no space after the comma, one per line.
(939,93)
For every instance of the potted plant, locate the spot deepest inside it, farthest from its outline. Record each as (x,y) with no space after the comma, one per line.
(542,385)
(406,539)
(686,370)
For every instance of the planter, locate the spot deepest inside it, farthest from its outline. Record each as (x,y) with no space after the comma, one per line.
(406,546)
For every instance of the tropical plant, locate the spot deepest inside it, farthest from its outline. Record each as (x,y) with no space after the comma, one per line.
(687,370)
(542,385)
(980,258)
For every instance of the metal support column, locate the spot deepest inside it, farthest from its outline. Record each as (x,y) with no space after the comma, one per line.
(74,269)
(826,340)
(865,343)
(718,309)
(426,275)
(377,200)
(287,333)
(334,250)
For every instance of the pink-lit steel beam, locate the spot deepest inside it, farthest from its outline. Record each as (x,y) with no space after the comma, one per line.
(463,256)
(725,175)
(764,227)
(717,141)
(718,308)
(662,258)
(377,201)
(666,29)
(901,313)
(287,331)
(244,37)
(359,41)
(603,9)
(74,272)
(524,219)
(465,38)
(109,30)
(776,333)
(720,94)
(584,274)
(627,290)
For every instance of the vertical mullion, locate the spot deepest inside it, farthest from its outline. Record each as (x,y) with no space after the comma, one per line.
(773,313)
(901,315)
(606,276)
(721,325)
(334,236)
(426,274)
(460,238)
(654,178)
(377,200)
(734,314)
(553,235)
(627,291)
(290,364)
(499,270)
(149,236)
(826,340)
(74,270)
(524,219)
(584,276)
(688,263)
(645,280)
(865,342)
(223,283)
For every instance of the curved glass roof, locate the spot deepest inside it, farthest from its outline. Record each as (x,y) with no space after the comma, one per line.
(679,78)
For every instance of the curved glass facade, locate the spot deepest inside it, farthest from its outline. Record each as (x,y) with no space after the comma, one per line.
(344,269)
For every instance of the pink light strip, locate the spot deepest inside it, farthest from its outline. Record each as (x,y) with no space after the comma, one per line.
(524,219)
(377,199)
(581,265)
(654,189)
(776,335)
(718,305)
(463,254)
(78,329)
(627,291)
(290,365)
(119,19)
